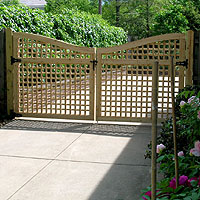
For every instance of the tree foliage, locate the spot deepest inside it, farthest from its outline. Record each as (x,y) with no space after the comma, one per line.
(56,6)
(72,26)
(136,16)
(144,18)
(177,16)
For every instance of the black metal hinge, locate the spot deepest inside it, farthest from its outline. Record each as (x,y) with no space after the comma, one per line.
(14,114)
(94,62)
(183,63)
(14,60)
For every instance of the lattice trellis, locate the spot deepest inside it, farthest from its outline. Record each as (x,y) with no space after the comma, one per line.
(124,78)
(54,79)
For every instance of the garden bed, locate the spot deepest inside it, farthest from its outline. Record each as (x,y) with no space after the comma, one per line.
(188,146)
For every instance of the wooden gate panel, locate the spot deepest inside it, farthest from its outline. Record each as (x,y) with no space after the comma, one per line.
(53,78)
(124,78)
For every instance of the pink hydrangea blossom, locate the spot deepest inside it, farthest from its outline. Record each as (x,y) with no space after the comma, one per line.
(181,153)
(182,103)
(196,150)
(160,147)
(198,114)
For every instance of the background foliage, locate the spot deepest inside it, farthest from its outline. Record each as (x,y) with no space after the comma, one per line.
(140,18)
(72,26)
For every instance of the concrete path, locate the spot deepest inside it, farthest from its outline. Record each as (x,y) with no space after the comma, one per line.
(72,161)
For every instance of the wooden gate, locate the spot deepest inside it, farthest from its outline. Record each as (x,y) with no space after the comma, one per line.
(52,78)
(57,80)
(124,78)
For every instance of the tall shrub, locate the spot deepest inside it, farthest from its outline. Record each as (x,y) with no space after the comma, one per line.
(72,26)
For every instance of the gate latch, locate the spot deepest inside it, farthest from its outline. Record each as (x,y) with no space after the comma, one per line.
(14,60)
(94,62)
(183,63)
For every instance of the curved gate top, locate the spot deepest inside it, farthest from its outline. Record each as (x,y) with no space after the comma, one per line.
(124,78)
(58,80)
(53,78)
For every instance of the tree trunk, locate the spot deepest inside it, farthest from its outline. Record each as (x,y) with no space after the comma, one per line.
(147,18)
(117,12)
(100,7)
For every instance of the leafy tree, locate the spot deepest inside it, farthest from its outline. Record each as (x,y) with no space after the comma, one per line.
(135,16)
(170,21)
(177,16)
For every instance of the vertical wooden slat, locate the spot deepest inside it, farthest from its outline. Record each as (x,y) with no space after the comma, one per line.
(174,120)
(181,70)
(92,86)
(189,56)
(16,75)
(98,86)
(154,129)
(3,105)
(9,71)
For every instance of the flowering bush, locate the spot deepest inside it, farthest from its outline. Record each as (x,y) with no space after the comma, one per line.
(188,143)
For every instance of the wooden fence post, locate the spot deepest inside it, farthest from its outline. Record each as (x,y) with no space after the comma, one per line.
(196,66)
(9,71)
(189,56)
(154,129)
(3,104)
(172,72)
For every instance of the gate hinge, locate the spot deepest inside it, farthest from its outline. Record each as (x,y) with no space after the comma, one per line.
(14,114)
(14,60)
(183,63)
(94,62)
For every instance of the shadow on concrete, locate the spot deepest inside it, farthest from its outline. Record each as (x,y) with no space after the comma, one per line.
(30,125)
(89,128)
(128,175)
(125,181)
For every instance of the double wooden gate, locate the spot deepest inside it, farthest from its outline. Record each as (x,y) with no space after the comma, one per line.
(58,80)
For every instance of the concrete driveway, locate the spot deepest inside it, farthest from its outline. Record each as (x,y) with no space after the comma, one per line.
(73,161)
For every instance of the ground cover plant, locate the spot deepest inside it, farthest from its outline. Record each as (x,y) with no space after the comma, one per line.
(72,26)
(188,144)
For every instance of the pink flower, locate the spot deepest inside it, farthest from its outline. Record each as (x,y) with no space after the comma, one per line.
(180,153)
(183,180)
(198,114)
(172,183)
(182,103)
(196,150)
(193,99)
(192,179)
(148,194)
(197,145)
(160,147)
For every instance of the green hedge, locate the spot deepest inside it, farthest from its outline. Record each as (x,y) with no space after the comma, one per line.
(72,26)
